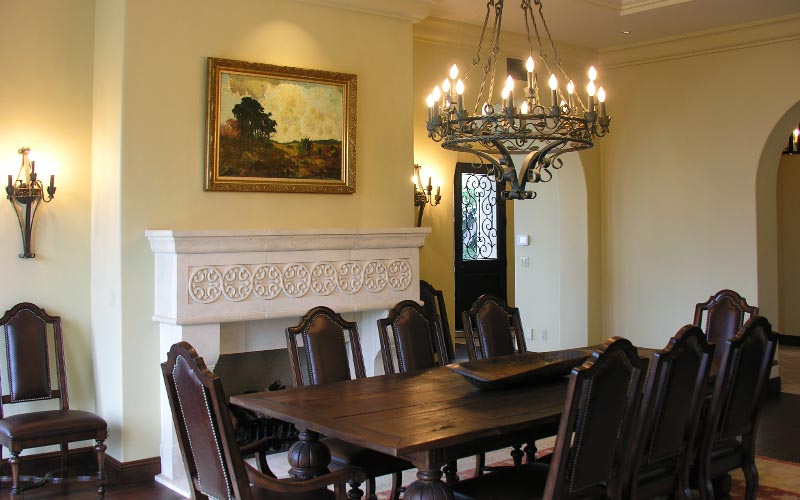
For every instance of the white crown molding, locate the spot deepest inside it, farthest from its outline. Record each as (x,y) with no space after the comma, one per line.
(625,7)
(406,10)
(443,32)
(635,6)
(735,37)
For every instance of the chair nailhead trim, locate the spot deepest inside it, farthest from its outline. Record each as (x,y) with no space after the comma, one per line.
(216,437)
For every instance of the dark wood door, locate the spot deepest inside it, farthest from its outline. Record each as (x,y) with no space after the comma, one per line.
(480,237)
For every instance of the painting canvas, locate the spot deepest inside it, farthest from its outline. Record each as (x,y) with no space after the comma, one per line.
(276,128)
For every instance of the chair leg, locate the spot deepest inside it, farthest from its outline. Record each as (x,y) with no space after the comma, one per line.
(371,493)
(64,455)
(480,464)
(517,455)
(100,451)
(751,479)
(14,461)
(530,452)
(722,486)
(397,484)
(704,485)
(451,472)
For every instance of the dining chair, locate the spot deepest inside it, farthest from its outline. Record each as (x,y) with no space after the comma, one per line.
(31,335)
(212,459)
(325,337)
(667,425)
(413,339)
(591,449)
(492,328)
(729,437)
(433,303)
(721,316)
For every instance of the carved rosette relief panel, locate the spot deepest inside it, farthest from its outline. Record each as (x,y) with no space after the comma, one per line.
(204,285)
(268,281)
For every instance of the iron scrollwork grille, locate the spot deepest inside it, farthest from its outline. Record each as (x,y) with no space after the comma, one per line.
(479,216)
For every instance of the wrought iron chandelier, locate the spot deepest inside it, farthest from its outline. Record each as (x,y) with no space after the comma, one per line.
(543,128)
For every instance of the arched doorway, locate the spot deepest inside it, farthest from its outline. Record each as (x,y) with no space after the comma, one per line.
(767,216)
(552,271)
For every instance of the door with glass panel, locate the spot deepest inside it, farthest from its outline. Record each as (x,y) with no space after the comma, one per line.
(480,234)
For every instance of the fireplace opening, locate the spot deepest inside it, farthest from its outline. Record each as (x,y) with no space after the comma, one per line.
(257,371)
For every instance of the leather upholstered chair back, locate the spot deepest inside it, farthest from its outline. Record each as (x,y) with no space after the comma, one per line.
(739,391)
(597,424)
(433,303)
(29,352)
(667,424)
(325,339)
(213,464)
(724,314)
(492,328)
(411,337)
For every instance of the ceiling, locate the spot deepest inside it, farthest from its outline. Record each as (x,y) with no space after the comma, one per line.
(600,23)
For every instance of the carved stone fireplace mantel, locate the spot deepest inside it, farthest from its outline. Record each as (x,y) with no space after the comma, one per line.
(207,278)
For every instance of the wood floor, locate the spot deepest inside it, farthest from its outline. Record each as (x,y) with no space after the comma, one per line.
(778,437)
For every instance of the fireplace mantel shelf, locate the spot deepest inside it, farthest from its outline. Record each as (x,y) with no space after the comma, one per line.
(277,240)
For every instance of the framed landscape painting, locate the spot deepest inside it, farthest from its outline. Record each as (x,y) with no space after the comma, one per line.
(280,129)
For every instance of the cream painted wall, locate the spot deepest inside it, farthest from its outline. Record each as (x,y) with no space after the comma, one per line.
(680,178)
(107,296)
(162,116)
(789,244)
(438,44)
(46,103)
(539,285)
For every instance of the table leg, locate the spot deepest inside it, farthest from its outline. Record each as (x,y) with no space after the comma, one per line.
(428,486)
(308,457)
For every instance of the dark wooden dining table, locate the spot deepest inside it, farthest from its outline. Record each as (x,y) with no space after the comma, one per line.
(428,418)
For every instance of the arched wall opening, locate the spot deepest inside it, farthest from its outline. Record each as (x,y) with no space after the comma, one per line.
(552,290)
(767,216)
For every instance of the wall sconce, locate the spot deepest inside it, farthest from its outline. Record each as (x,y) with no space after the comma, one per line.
(793,146)
(424,195)
(25,196)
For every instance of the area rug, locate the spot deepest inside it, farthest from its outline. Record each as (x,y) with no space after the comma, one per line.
(778,480)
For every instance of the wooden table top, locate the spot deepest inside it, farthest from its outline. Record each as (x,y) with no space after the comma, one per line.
(426,417)
(407,414)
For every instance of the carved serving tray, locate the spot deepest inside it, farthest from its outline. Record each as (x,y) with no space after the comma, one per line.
(518,369)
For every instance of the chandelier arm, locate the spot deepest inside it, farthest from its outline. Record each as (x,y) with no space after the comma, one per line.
(517,190)
(538,159)
(495,164)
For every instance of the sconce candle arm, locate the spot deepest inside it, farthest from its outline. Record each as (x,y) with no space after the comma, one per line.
(423,195)
(25,195)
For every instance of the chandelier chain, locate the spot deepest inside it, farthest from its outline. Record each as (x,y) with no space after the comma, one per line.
(491,61)
(477,58)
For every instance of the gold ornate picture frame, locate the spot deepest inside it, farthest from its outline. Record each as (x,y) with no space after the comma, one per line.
(279,129)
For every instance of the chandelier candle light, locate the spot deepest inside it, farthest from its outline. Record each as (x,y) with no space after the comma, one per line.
(543,128)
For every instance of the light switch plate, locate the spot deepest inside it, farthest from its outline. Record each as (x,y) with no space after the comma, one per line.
(523,240)
(524,261)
